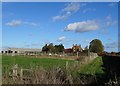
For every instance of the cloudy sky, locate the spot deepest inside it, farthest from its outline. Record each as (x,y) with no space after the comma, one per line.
(34,24)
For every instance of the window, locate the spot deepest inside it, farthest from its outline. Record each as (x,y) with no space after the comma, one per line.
(16,52)
(6,51)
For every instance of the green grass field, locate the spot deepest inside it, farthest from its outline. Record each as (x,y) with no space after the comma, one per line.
(48,63)
(89,72)
(77,71)
(28,62)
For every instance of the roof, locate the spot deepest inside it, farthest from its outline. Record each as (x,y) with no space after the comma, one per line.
(21,49)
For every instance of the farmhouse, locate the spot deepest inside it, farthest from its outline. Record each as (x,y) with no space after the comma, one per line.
(75,48)
(25,51)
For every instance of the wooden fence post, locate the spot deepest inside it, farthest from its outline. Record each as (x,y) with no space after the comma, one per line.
(66,65)
(15,72)
(21,74)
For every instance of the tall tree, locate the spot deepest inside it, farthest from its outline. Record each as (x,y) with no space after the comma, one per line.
(56,47)
(86,49)
(61,48)
(45,48)
(96,46)
(51,47)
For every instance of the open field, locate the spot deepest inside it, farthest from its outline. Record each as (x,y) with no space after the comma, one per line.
(50,63)
(78,73)
(30,62)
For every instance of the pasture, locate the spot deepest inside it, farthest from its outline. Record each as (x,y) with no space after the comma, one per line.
(50,63)
(31,62)
(87,72)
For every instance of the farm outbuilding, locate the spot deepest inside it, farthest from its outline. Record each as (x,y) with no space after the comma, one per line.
(25,51)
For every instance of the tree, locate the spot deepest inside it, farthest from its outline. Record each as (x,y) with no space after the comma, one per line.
(96,46)
(61,48)
(86,49)
(51,47)
(45,48)
(56,47)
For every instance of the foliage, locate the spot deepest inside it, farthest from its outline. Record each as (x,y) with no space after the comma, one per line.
(96,46)
(95,67)
(45,48)
(53,49)
(60,48)
(83,74)
(86,49)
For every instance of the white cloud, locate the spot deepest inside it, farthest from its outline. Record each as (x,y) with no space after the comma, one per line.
(84,26)
(111,45)
(88,10)
(103,31)
(107,22)
(61,17)
(109,17)
(67,11)
(14,23)
(19,22)
(72,7)
(31,23)
(110,21)
(61,38)
(34,24)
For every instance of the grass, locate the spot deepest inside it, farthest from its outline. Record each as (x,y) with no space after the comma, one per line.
(78,72)
(27,62)
(94,67)
(82,73)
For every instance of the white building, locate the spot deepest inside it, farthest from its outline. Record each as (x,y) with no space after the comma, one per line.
(26,51)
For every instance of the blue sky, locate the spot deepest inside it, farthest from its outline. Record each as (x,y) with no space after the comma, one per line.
(31,25)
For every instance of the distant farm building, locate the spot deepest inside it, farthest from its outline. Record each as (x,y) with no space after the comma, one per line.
(68,50)
(25,51)
(75,48)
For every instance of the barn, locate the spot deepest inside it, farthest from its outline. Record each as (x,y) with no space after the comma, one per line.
(20,51)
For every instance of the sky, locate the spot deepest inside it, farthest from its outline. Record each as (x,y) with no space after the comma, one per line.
(33,24)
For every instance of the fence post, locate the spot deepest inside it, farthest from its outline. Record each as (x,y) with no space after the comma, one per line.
(66,65)
(21,74)
(15,71)
(5,68)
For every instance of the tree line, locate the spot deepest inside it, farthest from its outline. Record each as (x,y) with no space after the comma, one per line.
(50,48)
(95,46)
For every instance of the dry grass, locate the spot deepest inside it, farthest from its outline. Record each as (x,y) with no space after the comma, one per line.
(58,76)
